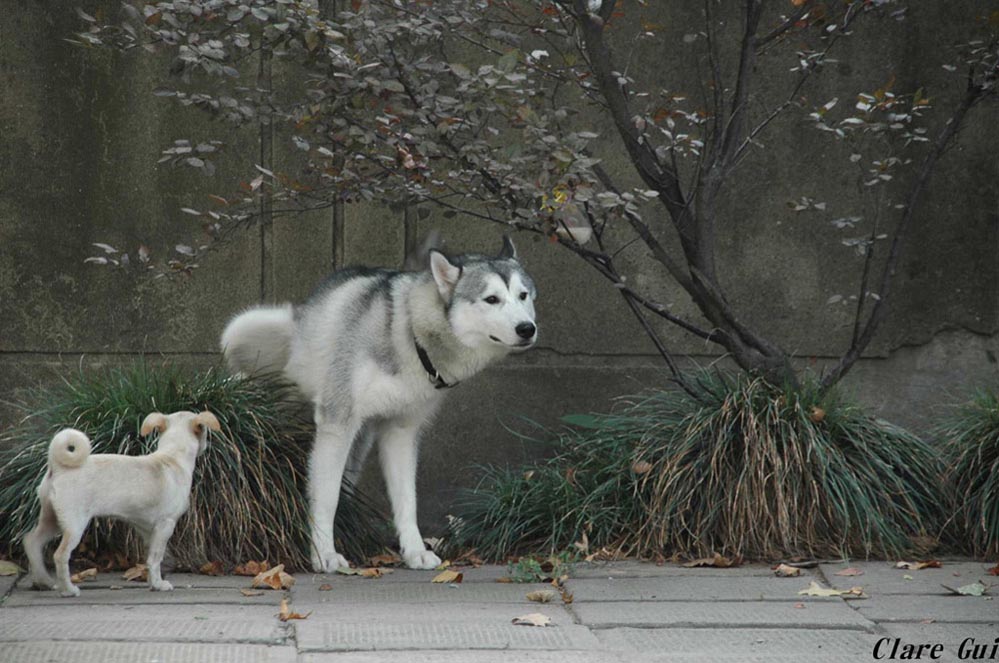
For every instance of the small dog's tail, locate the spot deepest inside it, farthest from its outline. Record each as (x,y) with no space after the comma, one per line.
(258,340)
(69,448)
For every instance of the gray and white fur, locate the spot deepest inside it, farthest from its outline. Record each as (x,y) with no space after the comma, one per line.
(351,349)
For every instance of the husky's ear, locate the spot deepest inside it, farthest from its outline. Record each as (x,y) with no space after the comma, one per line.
(202,420)
(509,251)
(445,274)
(153,422)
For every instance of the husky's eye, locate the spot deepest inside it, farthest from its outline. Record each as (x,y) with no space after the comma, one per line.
(491,299)
(523,295)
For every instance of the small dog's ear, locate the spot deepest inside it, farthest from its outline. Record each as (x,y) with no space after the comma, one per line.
(445,273)
(206,418)
(509,250)
(154,422)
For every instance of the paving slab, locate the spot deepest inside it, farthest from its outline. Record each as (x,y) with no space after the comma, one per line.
(143,623)
(144,652)
(467,656)
(755,614)
(633,569)
(961,609)
(178,580)
(435,626)
(883,578)
(132,594)
(487,573)
(701,588)
(951,635)
(375,591)
(740,641)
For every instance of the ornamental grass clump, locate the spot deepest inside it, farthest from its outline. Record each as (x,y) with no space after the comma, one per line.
(248,499)
(744,468)
(971,442)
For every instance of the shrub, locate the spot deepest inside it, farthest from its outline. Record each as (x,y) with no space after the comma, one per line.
(744,468)
(971,442)
(248,500)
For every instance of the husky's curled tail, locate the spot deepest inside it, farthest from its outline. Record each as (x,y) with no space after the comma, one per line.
(258,340)
(68,449)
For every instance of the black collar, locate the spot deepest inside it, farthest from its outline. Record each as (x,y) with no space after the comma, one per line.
(432,374)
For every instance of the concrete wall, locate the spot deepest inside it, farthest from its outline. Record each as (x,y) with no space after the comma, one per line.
(81,135)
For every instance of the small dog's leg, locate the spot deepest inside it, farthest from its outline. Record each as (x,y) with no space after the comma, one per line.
(397,450)
(326,465)
(70,540)
(34,547)
(157,547)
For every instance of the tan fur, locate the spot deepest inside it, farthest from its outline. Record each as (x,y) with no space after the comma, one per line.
(151,492)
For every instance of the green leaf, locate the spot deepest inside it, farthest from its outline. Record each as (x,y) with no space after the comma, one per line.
(9,568)
(508,62)
(974,589)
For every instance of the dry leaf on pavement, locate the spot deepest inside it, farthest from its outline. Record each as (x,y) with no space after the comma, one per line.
(138,573)
(919,566)
(287,614)
(251,568)
(274,578)
(250,592)
(814,589)
(385,559)
(718,561)
(212,569)
(994,571)
(325,588)
(785,571)
(504,579)
(89,574)
(364,573)
(849,572)
(9,568)
(541,596)
(974,589)
(533,619)
(449,576)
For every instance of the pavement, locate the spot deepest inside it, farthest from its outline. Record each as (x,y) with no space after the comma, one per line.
(621,612)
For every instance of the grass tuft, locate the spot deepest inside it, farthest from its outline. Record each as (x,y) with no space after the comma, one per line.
(971,443)
(745,469)
(248,500)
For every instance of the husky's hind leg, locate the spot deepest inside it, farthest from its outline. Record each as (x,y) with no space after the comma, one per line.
(326,465)
(397,449)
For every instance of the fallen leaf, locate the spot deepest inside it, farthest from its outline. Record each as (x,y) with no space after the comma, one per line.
(814,589)
(138,573)
(718,561)
(443,565)
(994,571)
(641,467)
(505,579)
(364,573)
(469,558)
(974,589)
(449,576)
(9,568)
(89,574)
(919,566)
(927,621)
(533,619)
(907,577)
(849,572)
(816,414)
(785,571)
(114,587)
(385,559)
(541,596)
(567,597)
(325,588)
(212,569)
(250,592)
(799,606)
(287,614)
(251,568)
(274,578)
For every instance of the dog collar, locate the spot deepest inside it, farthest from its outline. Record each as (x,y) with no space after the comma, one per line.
(432,373)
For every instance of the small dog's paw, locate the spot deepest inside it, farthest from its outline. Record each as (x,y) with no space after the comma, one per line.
(72,590)
(328,561)
(421,559)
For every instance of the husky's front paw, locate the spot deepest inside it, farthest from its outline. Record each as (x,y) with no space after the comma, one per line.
(161,586)
(328,561)
(421,559)
(72,590)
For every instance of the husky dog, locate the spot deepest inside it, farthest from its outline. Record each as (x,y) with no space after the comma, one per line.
(374,351)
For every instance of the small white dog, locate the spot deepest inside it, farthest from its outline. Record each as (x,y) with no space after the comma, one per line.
(151,492)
